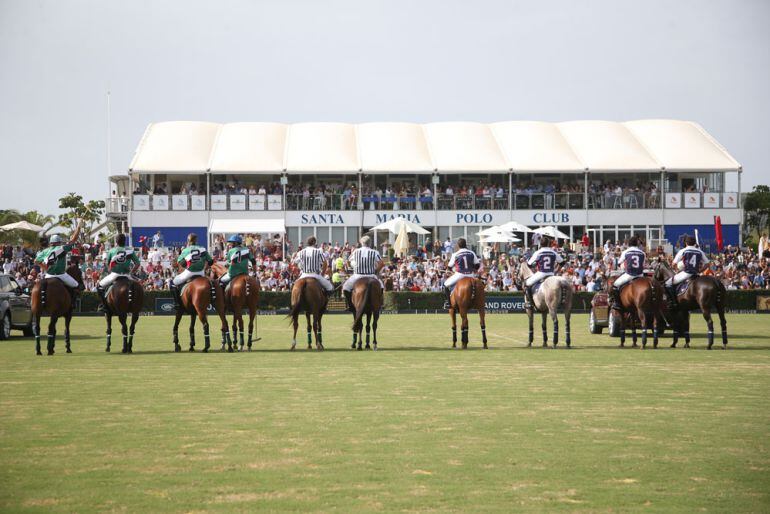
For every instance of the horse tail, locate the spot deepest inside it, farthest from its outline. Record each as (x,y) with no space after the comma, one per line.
(362,306)
(294,313)
(563,285)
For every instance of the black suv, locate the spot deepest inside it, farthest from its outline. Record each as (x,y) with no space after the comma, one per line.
(15,309)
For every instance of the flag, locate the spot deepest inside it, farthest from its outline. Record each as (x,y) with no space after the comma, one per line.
(718,232)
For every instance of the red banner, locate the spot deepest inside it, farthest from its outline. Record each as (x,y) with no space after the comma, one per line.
(718,232)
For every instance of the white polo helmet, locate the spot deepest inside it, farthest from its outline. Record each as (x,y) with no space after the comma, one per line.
(56,239)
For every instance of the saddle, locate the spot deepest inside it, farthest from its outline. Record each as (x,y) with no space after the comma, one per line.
(682,287)
(212,287)
(633,279)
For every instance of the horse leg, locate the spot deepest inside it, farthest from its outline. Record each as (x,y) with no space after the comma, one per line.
(374,328)
(355,340)
(319,343)
(192,332)
(134,319)
(545,329)
(295,325)
(483,324)
(622,320)
(368,328)
(235,334)
(531,316)
(686,323)
(309,331)
(723,325)
(252,313)
(52,334)
(108,318)
(464,327)
(633,332)
(643,325)
(555,318)
(124,332)
(453,316)
(240,329)
(36,330)
(67,320)
(206,336)
(177,348)
(675,326)
(567,337)
(710,325)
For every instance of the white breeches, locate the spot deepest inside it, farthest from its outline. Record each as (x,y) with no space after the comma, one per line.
(537,277)
(112,277)
(455,278)
(224,279)
(622,279)
(349,283)
(678,278)
(187,275)
(64,277)
(320,278)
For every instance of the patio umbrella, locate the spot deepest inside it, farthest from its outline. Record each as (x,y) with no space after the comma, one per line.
(551,231)
(22,225)
(401,245)
(514,226)
(501,237)
(395,225)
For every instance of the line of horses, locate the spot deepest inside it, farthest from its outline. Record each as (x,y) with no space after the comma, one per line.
(643,306)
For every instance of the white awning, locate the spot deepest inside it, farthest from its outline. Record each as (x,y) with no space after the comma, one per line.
(394,226)
(247,226)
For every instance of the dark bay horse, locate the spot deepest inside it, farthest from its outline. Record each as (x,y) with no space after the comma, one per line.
(642,300)
(468,294)
(704,293)
(241,293)
(307,295)
(124,297)
(367,299)
(196,297)
(57,303)
(553,292)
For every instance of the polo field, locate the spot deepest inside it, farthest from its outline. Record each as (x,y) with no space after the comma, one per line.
(414,426)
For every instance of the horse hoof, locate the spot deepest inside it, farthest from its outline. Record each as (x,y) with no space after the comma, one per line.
(124,350)
(177,348)
(248,349)
(50,352)
(359,348)
(69,350)
(39,352)
(191,349)
(374,348)
(708,347)
(205,350)
(107,349)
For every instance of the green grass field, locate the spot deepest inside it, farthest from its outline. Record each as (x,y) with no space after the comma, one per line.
(412,427)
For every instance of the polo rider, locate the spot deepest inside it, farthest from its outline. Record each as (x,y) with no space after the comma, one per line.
(239,258)
(465,263)
(690,261)
(366,262)
(546,260)
(53,259)
(632,261)
(194,259)
(312,264)
(121,261)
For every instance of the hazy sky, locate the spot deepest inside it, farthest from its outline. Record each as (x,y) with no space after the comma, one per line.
(353,61)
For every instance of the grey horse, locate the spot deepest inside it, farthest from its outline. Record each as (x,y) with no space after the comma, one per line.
(554,291)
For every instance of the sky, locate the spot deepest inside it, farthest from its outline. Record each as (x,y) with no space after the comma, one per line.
(357,61)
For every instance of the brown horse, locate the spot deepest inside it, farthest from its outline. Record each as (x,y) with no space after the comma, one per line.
(367,298)
(308,295)
(241,293)
(124,297)
(704,293)
(468,294)
(56,303)
(642,300)
(196,297)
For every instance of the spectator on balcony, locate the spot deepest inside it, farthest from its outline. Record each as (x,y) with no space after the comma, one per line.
(157,240)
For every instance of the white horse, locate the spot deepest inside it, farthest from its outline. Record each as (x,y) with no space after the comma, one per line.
(554,291)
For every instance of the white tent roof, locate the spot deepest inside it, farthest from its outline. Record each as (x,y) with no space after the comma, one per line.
(451,147)
(247,226)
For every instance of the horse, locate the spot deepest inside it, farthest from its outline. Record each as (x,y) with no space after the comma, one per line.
(642,300)
(124,297)
(367,298)
(704,293)
(195,298)
(553,291)
(308,295)
(50,296)
(467,294)
(242,292)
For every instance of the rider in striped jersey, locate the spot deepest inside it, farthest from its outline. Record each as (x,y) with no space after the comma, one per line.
(366,262)
(312,264)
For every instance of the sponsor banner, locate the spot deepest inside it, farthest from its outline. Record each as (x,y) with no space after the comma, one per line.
(198,202)
(710,200)
(274,202)
(179,202)
(505,303)
(730,200)
(256,202)
(692,200)
(673,200)
(160,203)
(141,203)
(218,202)
(763,303)
(237,202)
(166,306)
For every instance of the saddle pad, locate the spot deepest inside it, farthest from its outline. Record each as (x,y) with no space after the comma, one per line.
(682,287)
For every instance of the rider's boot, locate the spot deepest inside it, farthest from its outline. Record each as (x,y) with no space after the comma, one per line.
(73,294)
(175,294)
(528,301)
(671,293)
(615,298)
(101,292)
(348,300)
(448,295)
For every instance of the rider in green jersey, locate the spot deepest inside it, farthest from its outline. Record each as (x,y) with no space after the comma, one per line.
(121,261)
(239,258)
(194,259)
(53,258)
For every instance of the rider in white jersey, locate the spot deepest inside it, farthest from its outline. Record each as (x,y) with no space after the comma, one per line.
(690,261)
(313,265)
(465,263)
(632,261)
(366,262)
(546,259)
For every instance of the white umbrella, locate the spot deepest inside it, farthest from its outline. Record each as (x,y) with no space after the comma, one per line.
(491,231)
(22,225)
(502,237)
(514,226)
(401,245)
(395,225)
(551,231)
